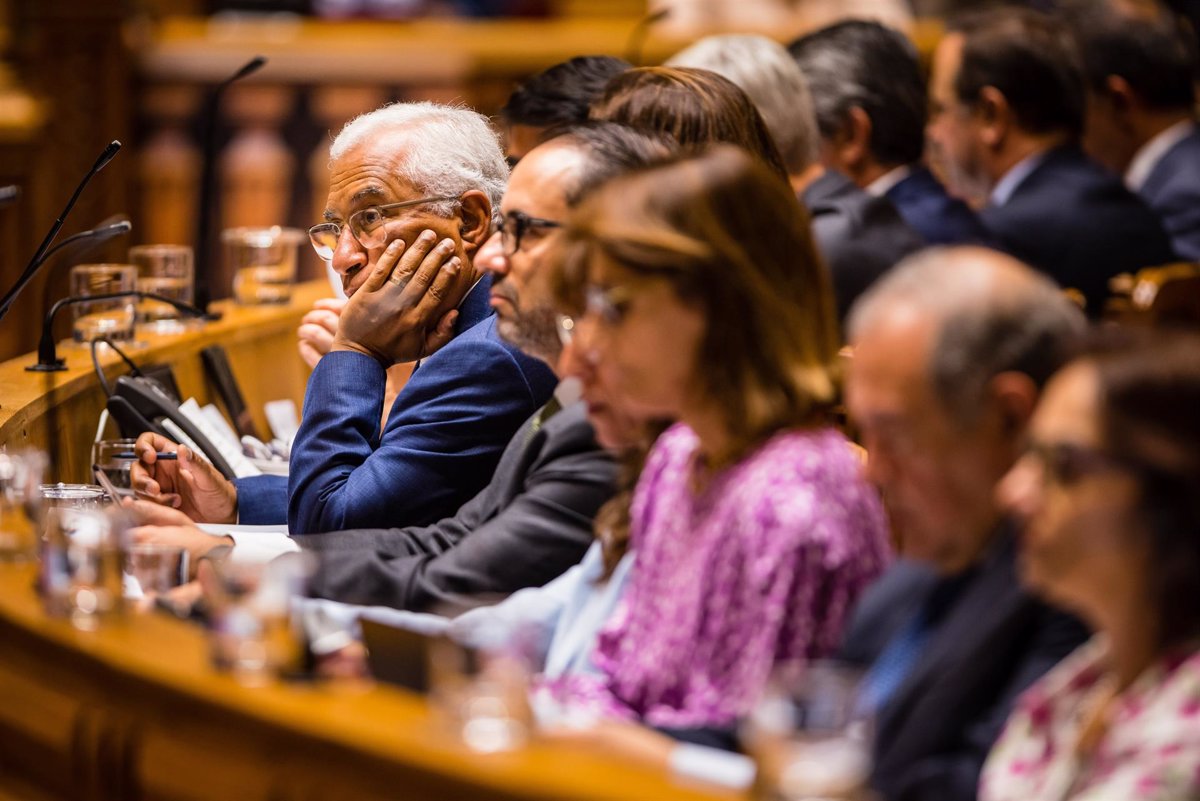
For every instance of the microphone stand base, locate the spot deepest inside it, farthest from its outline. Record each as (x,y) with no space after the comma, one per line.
(56,366)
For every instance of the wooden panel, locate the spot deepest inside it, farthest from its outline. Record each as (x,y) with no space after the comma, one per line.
(136,712)
(59,411)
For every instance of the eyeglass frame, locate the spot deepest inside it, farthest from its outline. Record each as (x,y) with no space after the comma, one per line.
(605,303)
(1051,459)
(337,228)
(524,223)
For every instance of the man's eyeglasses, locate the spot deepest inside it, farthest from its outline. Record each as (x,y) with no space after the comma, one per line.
(366,226)
(515,225)
(1065,464)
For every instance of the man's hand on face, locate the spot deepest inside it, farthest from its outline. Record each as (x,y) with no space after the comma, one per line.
(394,316)
(318,328)
(187,483)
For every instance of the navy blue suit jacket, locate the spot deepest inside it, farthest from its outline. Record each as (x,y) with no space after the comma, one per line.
(1073,220)
(444,436)
(938,217)
(1173,190)
(995,639)
(859,236)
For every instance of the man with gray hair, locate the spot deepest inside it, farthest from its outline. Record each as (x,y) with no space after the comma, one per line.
(859,236)
(870,102)
(413,194)
(951,350)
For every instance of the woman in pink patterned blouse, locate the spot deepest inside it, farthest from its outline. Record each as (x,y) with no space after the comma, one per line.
(752,530)
(1110,497)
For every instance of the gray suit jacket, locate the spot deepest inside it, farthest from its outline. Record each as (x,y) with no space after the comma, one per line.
(527,526)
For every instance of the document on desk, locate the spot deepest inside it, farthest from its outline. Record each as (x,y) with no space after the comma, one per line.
(254,544)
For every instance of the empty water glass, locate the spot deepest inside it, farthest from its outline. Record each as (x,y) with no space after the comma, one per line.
(810,736)
(112,318)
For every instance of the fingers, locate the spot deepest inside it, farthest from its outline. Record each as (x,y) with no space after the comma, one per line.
(308,353)
(321,319)
(147,513)
(383,267)
(334,305)
(443,333)
(432,261)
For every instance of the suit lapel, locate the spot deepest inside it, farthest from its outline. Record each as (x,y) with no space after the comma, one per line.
(950,663)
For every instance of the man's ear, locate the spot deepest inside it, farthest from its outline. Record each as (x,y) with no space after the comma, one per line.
(1120,95)
(995,116)
(850,144)
(1016,397)
(475,211)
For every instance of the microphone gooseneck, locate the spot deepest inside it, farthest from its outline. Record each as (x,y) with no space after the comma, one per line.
(48,361)
(205,253)
(39,256)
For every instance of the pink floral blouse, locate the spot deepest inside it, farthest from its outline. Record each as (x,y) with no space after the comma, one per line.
(759,567)
(1150,751)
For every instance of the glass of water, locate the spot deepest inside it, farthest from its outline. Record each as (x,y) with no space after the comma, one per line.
(166,270)
(114,458)
(20,501)
(263,262)
(810,736)
(111,318)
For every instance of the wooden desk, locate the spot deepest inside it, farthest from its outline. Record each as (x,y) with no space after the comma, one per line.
(260,341)
(133,711)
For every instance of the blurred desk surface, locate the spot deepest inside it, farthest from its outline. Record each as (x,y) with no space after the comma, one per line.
(62,409)
(134,711)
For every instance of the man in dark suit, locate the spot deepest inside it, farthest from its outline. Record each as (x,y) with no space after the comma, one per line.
(860,236)
(1140,66)
(1006,118)
(428,177)
(950,351)
(869,98)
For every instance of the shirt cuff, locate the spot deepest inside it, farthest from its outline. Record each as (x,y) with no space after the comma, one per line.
(711,765)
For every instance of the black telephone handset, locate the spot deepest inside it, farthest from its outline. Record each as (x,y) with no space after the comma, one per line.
(138,404)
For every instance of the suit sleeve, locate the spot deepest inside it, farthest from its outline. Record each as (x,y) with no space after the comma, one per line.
(443,438)
(955,776)
(538,536)
(262,500)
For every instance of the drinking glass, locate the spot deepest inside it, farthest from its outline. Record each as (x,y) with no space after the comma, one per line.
(82,577)
(166,270)
(482,694)
(156,567)
(263,262)
(103,318)
(254,635)
(114,457)
(20,477)
(811,736)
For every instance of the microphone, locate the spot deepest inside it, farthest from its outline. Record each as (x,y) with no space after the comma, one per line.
(93,237)
(39,256)
(208,183)
(48,361)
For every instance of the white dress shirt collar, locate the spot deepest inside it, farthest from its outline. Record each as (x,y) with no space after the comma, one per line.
(1149,154)
(884,183)
(1004,188)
